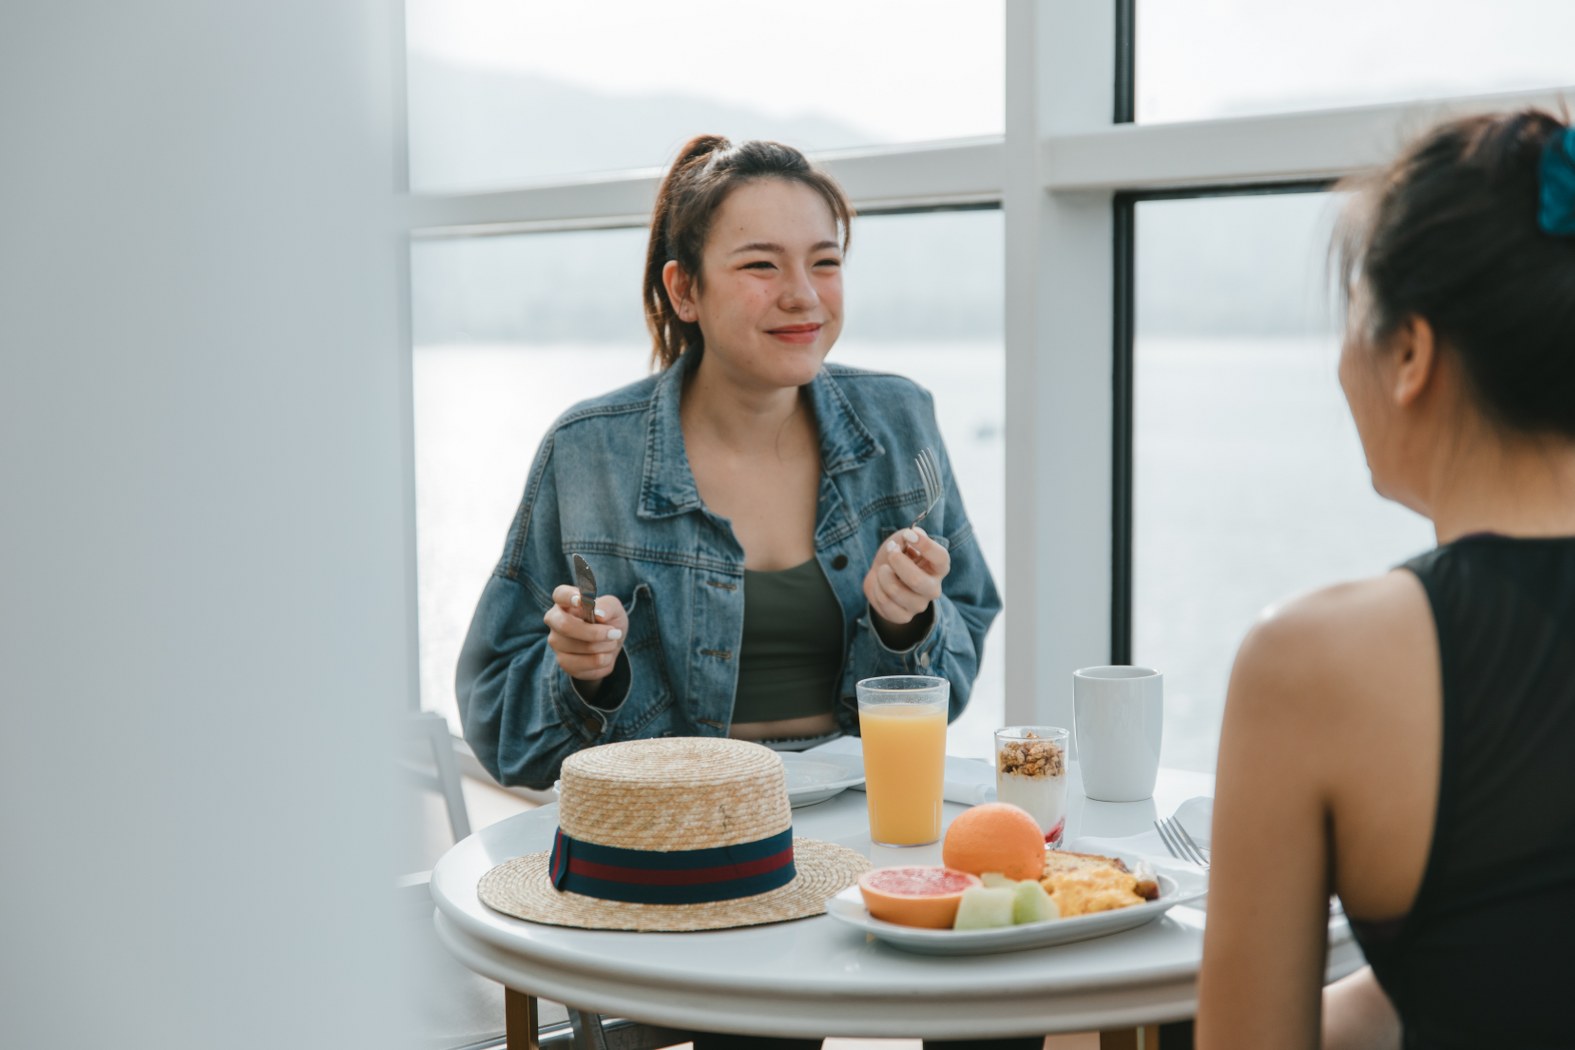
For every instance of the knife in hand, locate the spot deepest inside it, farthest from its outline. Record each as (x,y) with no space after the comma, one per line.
(585,580)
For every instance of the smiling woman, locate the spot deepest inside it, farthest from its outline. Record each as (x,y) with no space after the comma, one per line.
(739,508)
(745,509)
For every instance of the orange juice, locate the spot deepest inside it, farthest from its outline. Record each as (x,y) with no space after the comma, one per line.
(904,767)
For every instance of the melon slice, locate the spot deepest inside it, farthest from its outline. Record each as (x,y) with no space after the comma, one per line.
(915,896)
(985,908)
(1030,903)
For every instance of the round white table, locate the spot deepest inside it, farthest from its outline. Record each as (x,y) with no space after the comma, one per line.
(819,977)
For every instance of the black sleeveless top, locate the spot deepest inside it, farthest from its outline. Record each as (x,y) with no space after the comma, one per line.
(1486,957)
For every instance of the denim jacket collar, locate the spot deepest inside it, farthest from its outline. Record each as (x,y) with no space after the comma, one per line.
(668,485)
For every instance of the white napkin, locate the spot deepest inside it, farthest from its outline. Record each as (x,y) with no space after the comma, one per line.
(969,781)
(1197,816)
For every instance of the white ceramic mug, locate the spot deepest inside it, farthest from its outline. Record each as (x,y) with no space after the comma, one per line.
(1118,713)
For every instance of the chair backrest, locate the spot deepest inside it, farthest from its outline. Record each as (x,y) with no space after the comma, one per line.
(429,731)
(452,1008)
(467,1007)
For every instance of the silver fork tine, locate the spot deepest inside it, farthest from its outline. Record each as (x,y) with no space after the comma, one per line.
(930,478)
(1164,834)
(1187,841)
(1179,842)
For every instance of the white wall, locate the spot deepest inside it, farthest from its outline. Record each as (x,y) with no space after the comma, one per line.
(203,570)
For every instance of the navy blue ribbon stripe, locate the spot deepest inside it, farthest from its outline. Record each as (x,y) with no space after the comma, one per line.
(674,877)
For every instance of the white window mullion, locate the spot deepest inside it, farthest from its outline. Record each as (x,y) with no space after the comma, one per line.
(1059,75)
(1288,147)
(917,176)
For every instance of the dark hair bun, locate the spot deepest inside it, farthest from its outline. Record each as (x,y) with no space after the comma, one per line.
(1449,232)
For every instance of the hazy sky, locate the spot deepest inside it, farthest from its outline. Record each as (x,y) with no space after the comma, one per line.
(914,69)
(930,69)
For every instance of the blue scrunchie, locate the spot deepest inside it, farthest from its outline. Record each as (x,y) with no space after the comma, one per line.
(1556,208)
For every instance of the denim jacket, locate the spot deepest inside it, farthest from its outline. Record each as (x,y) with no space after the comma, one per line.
(612,482)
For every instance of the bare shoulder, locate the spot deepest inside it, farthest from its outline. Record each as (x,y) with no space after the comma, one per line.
(1336,643)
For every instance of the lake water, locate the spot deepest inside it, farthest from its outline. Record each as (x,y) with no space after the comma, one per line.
(1249,486)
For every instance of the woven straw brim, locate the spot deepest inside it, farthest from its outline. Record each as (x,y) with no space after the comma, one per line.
(521,888)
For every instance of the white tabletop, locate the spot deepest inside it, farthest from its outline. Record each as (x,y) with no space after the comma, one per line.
(818,977)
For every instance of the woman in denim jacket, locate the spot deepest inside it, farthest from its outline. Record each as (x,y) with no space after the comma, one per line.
(747,509)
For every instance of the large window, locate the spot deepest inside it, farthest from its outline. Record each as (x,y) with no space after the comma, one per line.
(502,91)
(1141,404)
(1249,484)
(924,301)
(509,332)
(1227,58)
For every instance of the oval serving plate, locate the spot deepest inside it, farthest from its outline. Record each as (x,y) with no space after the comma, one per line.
(1174,888)
(813,778)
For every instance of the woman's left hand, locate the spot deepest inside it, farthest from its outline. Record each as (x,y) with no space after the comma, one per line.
(903,580)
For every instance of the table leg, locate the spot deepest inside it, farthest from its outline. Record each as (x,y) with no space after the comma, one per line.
(1145,1038)
(519,1020)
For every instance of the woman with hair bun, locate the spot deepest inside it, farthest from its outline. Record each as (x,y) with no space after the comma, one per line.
(1405,741)
(748,510)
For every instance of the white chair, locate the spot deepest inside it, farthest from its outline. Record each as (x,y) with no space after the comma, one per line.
(456,1008)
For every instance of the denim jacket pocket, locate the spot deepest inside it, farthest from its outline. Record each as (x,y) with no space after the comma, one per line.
(650,695)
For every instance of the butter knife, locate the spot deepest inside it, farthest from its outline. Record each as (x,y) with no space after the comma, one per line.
(585,580)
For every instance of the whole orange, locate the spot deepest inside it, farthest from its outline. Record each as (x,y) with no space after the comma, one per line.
(996,836)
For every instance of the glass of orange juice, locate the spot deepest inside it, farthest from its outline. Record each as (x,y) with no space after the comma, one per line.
(902,719)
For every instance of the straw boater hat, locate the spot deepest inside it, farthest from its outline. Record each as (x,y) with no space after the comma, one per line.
(681,833)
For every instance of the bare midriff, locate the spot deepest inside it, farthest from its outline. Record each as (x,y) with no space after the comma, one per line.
(784,728)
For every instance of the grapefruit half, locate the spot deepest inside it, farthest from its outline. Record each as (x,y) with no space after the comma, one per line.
(915,896)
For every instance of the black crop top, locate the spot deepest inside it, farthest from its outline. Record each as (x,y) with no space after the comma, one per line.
(1486,956)
(790,660)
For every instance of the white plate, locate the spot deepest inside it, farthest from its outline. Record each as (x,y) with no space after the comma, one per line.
(848,907)
(815,778)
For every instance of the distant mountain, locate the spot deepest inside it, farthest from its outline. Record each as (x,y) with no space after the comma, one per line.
(1253,265)
(477,128)
(1249,266)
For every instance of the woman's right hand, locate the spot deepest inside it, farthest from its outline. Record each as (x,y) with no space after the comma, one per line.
(585,651)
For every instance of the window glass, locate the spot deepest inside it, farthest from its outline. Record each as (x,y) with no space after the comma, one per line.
(1224,58)
(502,91)
(925,300)
(510,331)
(1249,484)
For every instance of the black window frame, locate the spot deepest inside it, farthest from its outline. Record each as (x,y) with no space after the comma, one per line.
(1122,376)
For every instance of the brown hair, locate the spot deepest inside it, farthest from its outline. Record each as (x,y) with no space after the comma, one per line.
(1448,232)
(708,168)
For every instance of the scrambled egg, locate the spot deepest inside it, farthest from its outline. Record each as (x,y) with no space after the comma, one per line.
(1091,889)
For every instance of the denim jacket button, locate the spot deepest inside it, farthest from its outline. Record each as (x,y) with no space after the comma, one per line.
(924,659)
(839,562)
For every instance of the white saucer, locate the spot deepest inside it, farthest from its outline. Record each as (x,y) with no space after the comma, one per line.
(815,778)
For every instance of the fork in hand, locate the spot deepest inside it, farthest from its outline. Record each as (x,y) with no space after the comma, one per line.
(930,476)
(1179,842)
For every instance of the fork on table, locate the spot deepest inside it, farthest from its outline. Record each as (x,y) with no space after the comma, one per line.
(1179,842)
(1182,846)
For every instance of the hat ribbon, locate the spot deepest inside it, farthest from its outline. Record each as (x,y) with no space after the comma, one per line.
(694,876)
